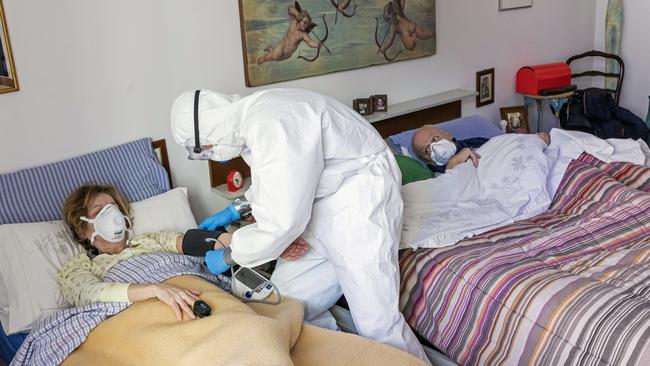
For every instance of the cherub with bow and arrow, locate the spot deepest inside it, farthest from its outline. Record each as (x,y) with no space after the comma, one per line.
(341,6)
(299,31)
(399,25)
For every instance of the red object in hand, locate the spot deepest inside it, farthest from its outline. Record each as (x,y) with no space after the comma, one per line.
(532,79)
(235,181)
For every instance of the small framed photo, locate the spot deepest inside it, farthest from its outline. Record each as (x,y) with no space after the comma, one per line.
(363,106)
(514,4)
(380,103)
(485,87)
(517,118)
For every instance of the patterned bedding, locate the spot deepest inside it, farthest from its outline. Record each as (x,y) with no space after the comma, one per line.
(568,287)
(56,336)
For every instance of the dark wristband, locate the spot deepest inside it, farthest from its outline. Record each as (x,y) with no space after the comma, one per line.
(197,242)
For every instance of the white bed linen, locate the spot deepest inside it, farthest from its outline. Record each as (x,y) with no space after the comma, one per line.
(516,179)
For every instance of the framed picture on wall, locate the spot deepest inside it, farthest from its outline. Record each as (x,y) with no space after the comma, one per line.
(517,118)
(485,87)
(286,40)
(514,4)
(363,106)
(380,103)
(8,80)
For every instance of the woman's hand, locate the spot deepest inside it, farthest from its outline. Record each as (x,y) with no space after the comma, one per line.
(179,299)
(464,155)
(295,250)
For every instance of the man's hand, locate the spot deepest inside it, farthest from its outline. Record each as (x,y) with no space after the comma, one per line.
(545,137)
(464,155)
(295,250)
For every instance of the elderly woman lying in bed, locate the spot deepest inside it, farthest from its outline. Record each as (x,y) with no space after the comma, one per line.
(139,333)
(81,278)
(442,151)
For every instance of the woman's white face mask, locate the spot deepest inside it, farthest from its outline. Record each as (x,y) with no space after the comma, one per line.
(109,223)
(442,151)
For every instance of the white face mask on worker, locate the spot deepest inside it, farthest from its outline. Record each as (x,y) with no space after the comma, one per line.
(109,223)
(442,151)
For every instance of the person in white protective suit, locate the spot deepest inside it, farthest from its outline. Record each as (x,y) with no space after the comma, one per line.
(318,169)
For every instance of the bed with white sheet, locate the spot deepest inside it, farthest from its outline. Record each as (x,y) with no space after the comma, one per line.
(35,244)
(533,257)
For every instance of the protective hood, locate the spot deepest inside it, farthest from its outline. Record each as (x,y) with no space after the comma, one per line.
(220,116)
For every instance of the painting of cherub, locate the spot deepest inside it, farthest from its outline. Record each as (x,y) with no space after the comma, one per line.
(289,39)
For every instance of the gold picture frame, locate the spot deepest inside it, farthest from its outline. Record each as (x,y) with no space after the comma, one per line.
(287,40)
(8,78)
(517,119)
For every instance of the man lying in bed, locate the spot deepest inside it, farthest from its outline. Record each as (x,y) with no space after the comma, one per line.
(96,216)
(442,151)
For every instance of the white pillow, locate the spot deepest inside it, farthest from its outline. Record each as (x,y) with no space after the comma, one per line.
(30,257)
(167,211)
(32,254)
(4,296)
(4,304)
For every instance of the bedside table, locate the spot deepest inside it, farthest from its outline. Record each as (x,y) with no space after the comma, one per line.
(222,190)
(556,102)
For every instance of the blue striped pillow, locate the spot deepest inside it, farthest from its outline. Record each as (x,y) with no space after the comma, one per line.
(37,194)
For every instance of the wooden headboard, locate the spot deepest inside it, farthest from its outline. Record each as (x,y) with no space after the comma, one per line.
(160,149)
(386,127)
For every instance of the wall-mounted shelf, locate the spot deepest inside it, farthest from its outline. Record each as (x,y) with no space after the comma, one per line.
(222,190)
(399,117)
(415,105)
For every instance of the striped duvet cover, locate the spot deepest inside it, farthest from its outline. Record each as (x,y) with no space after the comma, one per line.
(568,287)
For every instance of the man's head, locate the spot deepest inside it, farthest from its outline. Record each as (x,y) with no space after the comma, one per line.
(424,137)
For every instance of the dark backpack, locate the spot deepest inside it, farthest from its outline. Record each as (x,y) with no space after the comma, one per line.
(593,111)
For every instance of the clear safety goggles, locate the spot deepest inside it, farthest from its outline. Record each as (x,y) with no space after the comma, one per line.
(203,153)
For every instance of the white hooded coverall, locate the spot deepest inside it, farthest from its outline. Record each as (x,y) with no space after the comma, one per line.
(321,170)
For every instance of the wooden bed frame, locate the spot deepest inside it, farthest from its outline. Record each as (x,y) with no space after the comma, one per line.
(160,149)
(386,127)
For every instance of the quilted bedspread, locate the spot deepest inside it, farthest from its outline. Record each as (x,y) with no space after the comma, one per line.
(570,286)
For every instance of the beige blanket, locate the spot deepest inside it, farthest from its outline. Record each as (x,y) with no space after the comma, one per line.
(147,333)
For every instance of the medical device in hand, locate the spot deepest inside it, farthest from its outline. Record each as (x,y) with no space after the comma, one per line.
(239,208)
(201,309)
(251,286)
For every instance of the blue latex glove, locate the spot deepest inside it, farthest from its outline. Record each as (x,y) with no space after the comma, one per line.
(214,261)
(220,219)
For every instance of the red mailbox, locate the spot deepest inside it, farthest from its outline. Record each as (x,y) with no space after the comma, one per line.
(532,79)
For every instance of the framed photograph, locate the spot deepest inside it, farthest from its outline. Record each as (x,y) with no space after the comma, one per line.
(517,118)
(380,103)
(514,4)
(8,80)
(485,87)
(363,106)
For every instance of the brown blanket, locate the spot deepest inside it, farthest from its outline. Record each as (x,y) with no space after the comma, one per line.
(147,333)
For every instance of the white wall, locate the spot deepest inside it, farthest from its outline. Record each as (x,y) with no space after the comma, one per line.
(97,73)
(634,50)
